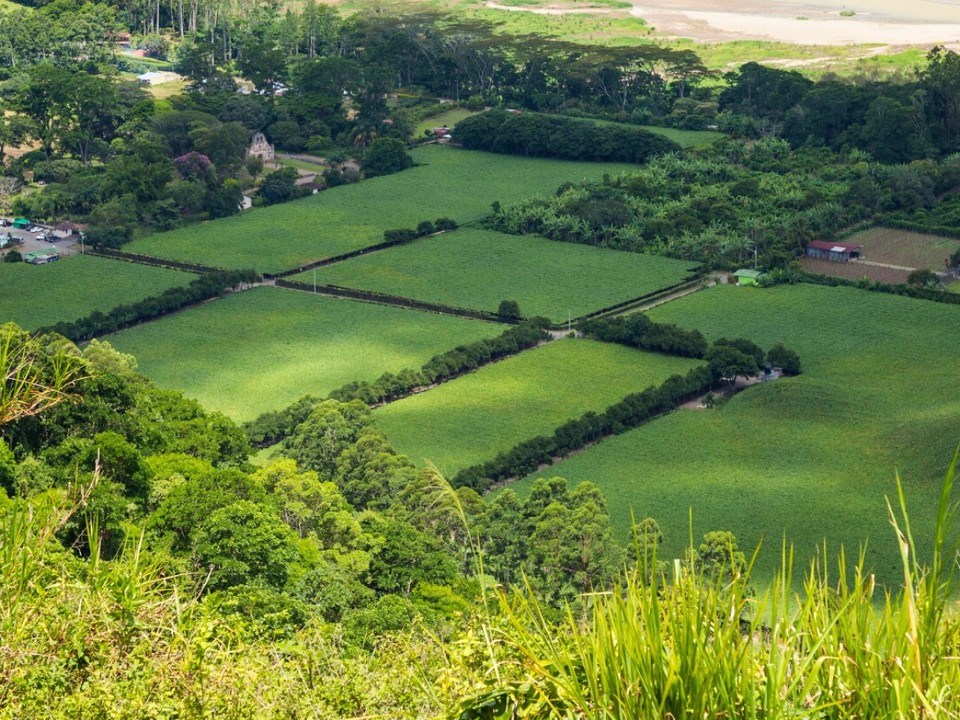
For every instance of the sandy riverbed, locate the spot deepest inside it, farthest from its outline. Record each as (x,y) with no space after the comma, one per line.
(804,22)
(807,22)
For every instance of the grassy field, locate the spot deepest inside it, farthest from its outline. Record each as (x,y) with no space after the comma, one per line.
(476,269)
(448,118)
(263,349)
(36,295)
(448,182)
(683,138)
(812,456)
(474,417)
(905,248)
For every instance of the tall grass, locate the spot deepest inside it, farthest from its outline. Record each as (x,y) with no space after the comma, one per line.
(686,645)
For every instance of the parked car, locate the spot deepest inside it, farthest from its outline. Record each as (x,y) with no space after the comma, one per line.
(35,229)
(4,222)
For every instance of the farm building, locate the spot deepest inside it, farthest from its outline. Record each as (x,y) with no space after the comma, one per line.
(41,257)
(835,252)
(747,277)
(67,229)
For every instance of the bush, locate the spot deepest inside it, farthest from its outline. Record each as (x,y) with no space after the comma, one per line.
(386,156)
(509,310)
(13,256)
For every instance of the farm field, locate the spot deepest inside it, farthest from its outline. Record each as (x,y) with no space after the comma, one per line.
(448,182)
(905,248)
(476,416)
(263,349)
(812,456)
(854,270)
(71,288)
(476,269)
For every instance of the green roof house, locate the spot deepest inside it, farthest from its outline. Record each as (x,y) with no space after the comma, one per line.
(747,277)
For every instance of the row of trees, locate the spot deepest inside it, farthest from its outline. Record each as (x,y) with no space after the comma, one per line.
(559,137)
(272,427)
(634,410)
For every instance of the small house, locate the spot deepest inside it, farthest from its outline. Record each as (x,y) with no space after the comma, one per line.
(21,224)
(747,277)
(834,252)
(67,229)
(41,257)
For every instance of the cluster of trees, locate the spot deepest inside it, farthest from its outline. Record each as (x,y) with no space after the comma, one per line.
(733,202)
(272,427)
(727,358)
(540,135)
(634,410)
(423,228)
(639,331)
(205,287)
(895,122)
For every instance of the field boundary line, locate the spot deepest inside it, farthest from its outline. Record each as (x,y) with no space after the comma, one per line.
(155,261)
(395,300)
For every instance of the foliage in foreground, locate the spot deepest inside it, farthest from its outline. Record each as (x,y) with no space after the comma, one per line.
(696,642)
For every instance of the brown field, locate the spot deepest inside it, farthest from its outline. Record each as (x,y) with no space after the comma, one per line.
(854,270)
(904,248)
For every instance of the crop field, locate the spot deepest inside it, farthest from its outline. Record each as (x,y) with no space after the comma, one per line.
(476,269)
(263,349)
(905,248)
(811,457)
(448,182)
(37,295)
(476,416)
(854,270)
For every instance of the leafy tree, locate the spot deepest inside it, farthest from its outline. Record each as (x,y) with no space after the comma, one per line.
(509,310)
(279,186)
(385,156)
(729,363)
(719,557)
(785,359)
(243,543)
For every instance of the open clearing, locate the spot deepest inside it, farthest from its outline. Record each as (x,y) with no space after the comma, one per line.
(448,182)
(905,248)
(71,288)
(476,269)
(444,119)
(472,418)
(812,456)
(263,349)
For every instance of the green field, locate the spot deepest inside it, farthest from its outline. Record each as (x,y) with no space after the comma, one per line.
(476,269)
(683,138)
(811,456)
(37,295)
(448,119)
(263,349)
(474,417)
(448,182)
